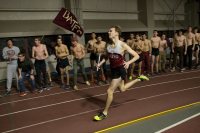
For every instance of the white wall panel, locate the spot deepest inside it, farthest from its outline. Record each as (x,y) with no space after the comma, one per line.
(163,9)
(110,9)
(110,5)
(31,4)
(27,15)
(110,16)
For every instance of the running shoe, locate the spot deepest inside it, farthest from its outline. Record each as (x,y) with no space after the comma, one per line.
(88,83)
(142,78)
(76,88)
(22,94)
(100,116)
(7,93)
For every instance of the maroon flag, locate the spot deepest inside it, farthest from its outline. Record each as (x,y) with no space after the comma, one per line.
(68,21)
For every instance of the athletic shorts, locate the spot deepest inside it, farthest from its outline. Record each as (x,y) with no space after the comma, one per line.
(140,58)
(196,47)
(155,51)
(118,72)
(62,63)
(93,56)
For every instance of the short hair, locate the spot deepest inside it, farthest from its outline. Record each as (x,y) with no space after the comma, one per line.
(195,28)
(59,37)
(117,29)
(9,39)
(21,53)
(74,38)
(39,39)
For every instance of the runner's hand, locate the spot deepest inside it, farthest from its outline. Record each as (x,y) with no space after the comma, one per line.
(126,65)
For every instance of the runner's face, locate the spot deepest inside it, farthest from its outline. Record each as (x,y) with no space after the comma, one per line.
(9,43)
(132,36)
(163,37)
(59,41)
(21,58)
(93,35)
(155,33)
(112,33)
(190,29)
(137,37)
(99,39)
(144,37)
(74,43)
(37,42)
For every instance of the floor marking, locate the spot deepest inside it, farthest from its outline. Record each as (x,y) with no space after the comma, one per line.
(148,117)
(50,105)
(178,123)
(94,110)
(37,97)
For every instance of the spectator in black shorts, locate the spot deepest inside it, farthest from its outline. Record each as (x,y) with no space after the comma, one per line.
(155,43)
(61,53)
(93,56)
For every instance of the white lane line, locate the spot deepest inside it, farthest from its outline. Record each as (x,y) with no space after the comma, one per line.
(37,97)
(94,110)
(178,123)
(157,76)
(58,93)
(83,98)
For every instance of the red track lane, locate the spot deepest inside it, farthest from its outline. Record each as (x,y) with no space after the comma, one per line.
(79,112)
(191,126)
(57,90)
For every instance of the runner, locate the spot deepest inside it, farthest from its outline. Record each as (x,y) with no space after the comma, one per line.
(118,68)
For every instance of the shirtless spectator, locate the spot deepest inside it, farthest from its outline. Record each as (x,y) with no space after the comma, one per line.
(79,54)
(62,53)
(100,49)
(90,49)
(162,53)
(146,51)
(155,43)
(130,42)
(39,53)
(196,46)
(190,39)
(137,47)
(179,47)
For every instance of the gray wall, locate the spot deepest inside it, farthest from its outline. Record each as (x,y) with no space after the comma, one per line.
(34,17)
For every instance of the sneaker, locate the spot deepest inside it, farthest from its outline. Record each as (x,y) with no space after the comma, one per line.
(106,82)
(75,87)
(67,87)
(7,93)
(142,78)
(50,84)
(173,70)
(182,70)
(22,94)
(88,83)
(33,91)
(40,91)
(99,83)
(62,86)
(44,87)
(100,116)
